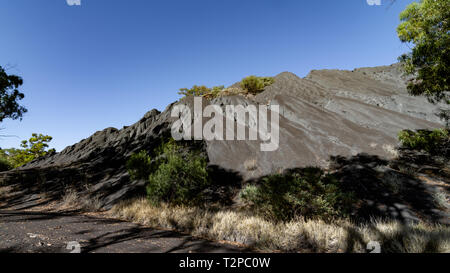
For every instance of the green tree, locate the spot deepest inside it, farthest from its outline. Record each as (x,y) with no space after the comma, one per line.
(10,95)
(425,25)
(35,147)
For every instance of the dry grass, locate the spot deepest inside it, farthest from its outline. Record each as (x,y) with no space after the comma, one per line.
(73,200)
(440,198)
(407,170)
(231,91)
(251,164)
(70,199)
(3,190)
(91,204)
(390,149)
(394,181)
(298,235)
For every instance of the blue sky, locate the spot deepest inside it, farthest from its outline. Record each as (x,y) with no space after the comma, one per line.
(107,62)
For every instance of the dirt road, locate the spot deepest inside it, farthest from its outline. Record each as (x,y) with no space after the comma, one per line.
(48,232)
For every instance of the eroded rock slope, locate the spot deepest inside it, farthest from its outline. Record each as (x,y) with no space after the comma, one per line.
(327,113)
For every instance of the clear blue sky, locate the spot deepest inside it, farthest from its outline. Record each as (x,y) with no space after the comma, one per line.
(107,62)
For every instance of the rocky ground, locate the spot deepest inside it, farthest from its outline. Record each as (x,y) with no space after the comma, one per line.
(44,232)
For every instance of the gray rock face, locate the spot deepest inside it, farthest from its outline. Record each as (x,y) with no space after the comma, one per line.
(330,112)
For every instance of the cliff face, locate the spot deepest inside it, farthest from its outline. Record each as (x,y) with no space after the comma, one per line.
(330,112)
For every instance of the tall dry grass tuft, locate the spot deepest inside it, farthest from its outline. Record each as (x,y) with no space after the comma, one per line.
(72,200)
(296,235)
(251,164)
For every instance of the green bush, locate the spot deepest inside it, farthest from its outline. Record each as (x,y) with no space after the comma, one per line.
(201,90)
(179,179)
(308,193)
(255,84)
(139,165)
(177,175)
(430,141)
(215,91)
(196,90)
(4,165)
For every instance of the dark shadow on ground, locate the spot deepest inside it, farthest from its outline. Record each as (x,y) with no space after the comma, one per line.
(96,235)
(384,192)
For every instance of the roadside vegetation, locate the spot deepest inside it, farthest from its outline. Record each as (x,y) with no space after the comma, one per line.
(175,175)
(288,236)
(300,210)
(309,193)
(179,178)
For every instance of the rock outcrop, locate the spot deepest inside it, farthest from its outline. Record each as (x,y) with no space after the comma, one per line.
(328,113)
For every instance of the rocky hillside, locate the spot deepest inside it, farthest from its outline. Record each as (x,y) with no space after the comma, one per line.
(327,113)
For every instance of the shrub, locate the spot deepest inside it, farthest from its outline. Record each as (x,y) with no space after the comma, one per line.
(180,178)
(216,90)
(196,90)
(176,175)
(230,91)
(444,115)
(255,84)
(4,165)
(308,193)
(201,90)
(430,141)
(251,84)
(440,199)
(139,165)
